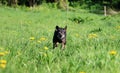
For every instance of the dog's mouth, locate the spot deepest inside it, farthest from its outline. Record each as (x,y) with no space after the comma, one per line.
(61,37)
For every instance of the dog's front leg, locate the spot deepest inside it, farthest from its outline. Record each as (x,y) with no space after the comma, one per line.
(55,44)
(63,45)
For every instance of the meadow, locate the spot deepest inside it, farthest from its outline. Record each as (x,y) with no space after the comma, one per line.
(93,41)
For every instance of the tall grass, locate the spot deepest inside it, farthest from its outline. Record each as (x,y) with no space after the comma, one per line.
(26,34)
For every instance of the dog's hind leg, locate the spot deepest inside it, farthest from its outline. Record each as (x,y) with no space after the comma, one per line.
(53,45)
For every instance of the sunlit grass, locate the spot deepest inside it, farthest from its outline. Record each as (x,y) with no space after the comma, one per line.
(26,42)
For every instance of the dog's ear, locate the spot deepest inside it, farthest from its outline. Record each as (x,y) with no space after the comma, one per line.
(57,27)
(65,27)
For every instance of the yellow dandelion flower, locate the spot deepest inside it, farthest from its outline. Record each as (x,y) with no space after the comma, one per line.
(113,52)
(112,37)
(18,53)
(39,41)
(76,35)
(82,72)
(118,27)
(46,48)
(92,36)
(49,30)
(2,66)
(32,38)
(42,39)
(3,61)
(45,54)
(6,52)
(2,53)
(1,48)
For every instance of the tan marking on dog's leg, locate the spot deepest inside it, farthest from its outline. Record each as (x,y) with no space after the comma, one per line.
(63,46)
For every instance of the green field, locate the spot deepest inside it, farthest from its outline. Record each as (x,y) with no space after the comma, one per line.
(93,41)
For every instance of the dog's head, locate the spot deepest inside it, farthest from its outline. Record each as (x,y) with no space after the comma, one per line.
(61,32)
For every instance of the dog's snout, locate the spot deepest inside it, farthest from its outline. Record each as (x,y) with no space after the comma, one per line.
(61,33)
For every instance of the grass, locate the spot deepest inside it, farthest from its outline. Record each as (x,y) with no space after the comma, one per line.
(92,46)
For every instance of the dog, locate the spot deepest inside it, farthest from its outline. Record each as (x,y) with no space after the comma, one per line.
(59,37)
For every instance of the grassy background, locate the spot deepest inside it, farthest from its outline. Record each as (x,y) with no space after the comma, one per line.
(82,54)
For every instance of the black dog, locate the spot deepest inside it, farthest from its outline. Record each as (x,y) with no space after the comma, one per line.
(59,36)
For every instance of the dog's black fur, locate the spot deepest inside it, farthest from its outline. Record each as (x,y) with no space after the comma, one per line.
(59,36)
